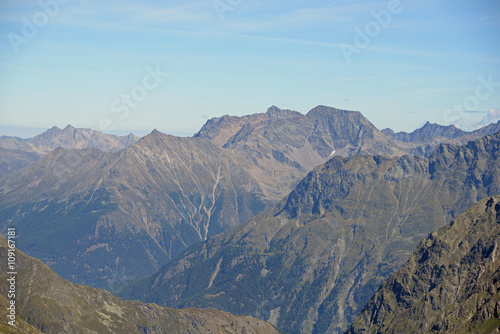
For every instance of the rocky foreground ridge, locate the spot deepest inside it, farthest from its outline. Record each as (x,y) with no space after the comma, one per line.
(46,303)
(450,284)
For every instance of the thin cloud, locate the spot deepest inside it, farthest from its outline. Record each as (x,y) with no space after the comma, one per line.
(492,116)
(432,54)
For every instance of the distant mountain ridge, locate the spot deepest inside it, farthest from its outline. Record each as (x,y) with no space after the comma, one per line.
(450,284)
(425,139)
(16,153)
(310,263)
(427,131)
(45,303)
(125,213)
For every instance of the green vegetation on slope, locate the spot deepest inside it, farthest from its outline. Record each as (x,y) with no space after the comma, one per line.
(46,303)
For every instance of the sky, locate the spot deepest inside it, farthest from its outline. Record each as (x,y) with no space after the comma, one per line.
(171,65)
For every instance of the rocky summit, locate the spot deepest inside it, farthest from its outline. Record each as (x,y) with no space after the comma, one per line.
(450,284)
(310,263)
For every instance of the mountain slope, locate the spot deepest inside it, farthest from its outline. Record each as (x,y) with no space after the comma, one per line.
(450,284)
(45,303)
(284,145)
(310,263)
(13,160)
(123,214)
(17,153)
(220,129)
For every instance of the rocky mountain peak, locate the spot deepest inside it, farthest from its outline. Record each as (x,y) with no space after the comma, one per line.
(54,129)
(326,112)
(69,127)
(155,132)
(275,112)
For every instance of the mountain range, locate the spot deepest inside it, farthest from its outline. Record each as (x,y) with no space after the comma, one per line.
(123,214)
(425,139)
(450,284)
(16,153)
(294,219)
(310,263)
(46,303)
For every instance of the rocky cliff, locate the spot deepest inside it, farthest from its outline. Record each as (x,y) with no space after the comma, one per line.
(450,284)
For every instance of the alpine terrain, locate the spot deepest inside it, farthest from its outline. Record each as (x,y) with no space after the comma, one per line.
(123,214)
(46,303)
(16,153)
(310,263)
(450,284)
(423,141)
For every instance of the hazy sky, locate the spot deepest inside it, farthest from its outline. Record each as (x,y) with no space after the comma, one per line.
(104,64)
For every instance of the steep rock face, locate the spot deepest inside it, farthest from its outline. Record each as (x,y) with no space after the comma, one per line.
(16,153)
(450,284)
(311,263)
(220,129)
(124,214)
(45,303)
(324,129)
(284,145)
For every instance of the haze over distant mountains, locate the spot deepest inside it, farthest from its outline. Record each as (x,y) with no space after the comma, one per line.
(16,153)
(424,140)
(295,219)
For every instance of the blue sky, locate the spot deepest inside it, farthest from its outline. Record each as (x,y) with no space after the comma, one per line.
(423,60)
